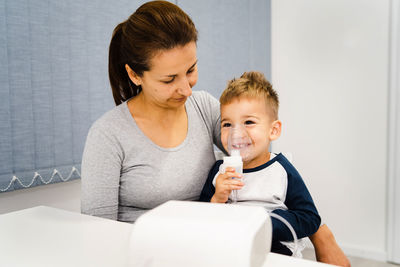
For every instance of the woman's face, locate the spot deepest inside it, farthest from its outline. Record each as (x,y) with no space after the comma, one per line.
(171,77)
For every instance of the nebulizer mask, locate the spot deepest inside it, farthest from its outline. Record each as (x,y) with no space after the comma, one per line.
(238,145)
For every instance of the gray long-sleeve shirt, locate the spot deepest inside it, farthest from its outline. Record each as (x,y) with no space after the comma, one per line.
(124,173)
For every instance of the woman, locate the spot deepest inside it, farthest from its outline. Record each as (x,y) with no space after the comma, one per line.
(157,144)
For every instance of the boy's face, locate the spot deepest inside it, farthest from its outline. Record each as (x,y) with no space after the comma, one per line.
(252,115)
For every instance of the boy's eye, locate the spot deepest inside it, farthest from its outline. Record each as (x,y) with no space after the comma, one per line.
(226,124)
(249,122)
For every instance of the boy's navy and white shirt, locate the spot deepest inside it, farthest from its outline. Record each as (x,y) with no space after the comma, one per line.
(278,187)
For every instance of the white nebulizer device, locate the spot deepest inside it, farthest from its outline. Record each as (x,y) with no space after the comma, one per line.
(234,161)
(195,234)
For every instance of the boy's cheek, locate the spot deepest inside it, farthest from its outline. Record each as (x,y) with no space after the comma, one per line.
(224,139)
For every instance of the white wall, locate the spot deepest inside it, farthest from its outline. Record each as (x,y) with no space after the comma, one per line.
(330,67)
(61,195)
(393,233)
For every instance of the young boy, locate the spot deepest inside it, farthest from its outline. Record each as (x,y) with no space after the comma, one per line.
(268,179)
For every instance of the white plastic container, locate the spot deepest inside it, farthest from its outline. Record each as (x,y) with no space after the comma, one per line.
(197,234)
(234,161)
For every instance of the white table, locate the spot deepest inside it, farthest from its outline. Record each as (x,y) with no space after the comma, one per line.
(44,236)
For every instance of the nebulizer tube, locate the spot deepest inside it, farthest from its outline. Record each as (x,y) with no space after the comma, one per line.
(295,240)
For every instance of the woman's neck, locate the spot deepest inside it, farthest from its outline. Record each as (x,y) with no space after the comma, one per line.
(166,127)
(145,109)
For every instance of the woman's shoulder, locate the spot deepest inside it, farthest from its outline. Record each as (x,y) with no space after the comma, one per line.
(111,121)
(203,96)
(204,101)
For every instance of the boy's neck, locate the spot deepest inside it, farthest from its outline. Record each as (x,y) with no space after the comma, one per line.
(256,163)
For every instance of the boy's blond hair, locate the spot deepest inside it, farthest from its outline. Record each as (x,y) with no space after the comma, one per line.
(252,84)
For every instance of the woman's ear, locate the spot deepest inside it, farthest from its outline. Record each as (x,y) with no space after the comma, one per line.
(276,128)
(133,76)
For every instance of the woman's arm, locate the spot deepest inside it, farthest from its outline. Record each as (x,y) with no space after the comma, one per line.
(326,248)
(101,169)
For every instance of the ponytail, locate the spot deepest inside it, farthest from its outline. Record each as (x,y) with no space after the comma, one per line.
(122,87)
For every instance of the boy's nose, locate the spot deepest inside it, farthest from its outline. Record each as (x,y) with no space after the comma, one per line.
(238,131)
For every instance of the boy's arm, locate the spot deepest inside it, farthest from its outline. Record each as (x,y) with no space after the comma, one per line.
(301,214)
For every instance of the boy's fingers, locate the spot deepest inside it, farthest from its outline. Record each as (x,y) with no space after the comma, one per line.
(233,174)
(237,182)
(235,187)
(234,183)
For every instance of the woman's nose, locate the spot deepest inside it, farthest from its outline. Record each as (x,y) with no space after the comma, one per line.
(185,88)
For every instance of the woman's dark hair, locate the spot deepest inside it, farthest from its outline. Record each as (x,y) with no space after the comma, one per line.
(155,26)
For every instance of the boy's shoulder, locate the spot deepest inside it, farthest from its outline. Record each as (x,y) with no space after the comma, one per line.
(284,159)
(290,169)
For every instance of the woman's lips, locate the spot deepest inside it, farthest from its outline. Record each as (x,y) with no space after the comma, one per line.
(181,99)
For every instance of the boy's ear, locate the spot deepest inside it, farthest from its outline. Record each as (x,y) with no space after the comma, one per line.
(133,76)
(275,130)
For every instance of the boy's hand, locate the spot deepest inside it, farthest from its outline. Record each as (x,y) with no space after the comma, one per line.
(224,185)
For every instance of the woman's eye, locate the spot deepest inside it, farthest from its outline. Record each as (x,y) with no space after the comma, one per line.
(226,124)
(170,81)
(249,122)
(190,71)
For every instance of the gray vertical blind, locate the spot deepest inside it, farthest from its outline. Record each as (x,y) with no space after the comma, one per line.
(53,84)
(54,81)
(234,37)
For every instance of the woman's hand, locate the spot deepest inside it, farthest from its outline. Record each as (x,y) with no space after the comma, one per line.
(326,248)
(224,185)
